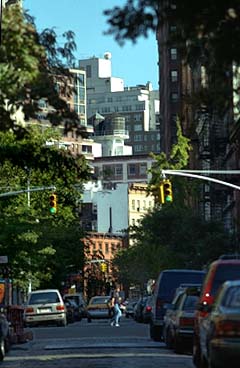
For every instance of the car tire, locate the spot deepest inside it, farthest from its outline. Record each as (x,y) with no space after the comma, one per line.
(178,347)
(196,354)
(155,332)
(2,349)
(63,323)
(169,339)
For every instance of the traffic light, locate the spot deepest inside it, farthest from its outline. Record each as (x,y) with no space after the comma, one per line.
(158,193)
(167,191)
(53,203)
(103,267)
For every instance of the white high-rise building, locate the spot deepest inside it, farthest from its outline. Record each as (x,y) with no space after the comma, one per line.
(139,105)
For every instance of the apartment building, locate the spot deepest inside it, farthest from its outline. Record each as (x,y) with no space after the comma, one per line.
(214,139)
(139,105)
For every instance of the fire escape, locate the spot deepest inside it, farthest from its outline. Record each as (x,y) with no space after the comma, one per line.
(212,139)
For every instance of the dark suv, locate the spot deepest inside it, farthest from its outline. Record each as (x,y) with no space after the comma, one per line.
(164,289)
(219,271)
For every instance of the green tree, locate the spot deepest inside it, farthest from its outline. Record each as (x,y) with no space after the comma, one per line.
(171,237)
(31,63)
(36,242)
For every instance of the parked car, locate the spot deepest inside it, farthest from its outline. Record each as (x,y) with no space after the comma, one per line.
(178,324)
(4,336)
(219,271)
(98,307)
(80,301)
(147,309)
(44,307)
(129,310)
(73,311)
(220,335)
(164,289)
(138,309)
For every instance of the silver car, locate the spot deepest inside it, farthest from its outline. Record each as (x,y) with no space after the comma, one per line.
(45,307)
(220,335)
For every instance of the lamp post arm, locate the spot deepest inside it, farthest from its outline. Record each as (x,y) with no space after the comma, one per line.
(202,177)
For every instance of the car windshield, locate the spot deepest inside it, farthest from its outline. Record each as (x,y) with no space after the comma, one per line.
(42,298)
(225,272)
(190,302)
(99,300)
(232,297)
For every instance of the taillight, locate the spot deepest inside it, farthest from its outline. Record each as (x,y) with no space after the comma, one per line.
(207,299)
(148,308)
(227,328)
(60,307)
(29,310)
(186,321)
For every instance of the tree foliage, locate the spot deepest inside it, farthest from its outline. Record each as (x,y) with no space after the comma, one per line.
(204,27)
(208,33)
(31,65)
(40,246)
(171,237)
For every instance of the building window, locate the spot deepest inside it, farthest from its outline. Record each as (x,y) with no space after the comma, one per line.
(143,169)
(133,222)
(118,170)
(138,117)
(137,127)
(144,204)
(106,248)
(133,204)
(138,148)
(137,137)
(173,29)
(173,53)
(174,75)
(113,247)
(100,246)
(138,205)
(139,107)
(131,169)
(86,149)
(89,71)
(174,96)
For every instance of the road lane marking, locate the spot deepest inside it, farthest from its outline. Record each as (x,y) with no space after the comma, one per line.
(95,356)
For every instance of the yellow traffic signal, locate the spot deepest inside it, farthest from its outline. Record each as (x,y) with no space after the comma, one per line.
(158,193)
(167,191)
(53,203)
(103,267)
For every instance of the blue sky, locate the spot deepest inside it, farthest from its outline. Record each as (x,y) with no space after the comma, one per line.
(135,63)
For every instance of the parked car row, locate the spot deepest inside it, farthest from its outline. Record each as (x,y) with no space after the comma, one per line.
(178,326)
(202,318)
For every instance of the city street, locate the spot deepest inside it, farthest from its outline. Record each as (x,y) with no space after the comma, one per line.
(95,344)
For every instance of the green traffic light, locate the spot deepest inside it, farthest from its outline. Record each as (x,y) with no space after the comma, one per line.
(168,198)
(53,210)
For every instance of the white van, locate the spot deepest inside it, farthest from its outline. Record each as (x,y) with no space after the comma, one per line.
(45,306)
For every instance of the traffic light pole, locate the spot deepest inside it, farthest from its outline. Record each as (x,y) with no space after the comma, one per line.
(27,191)
(193,174)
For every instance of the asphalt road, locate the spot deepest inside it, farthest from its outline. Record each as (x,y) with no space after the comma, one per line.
(94,345)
